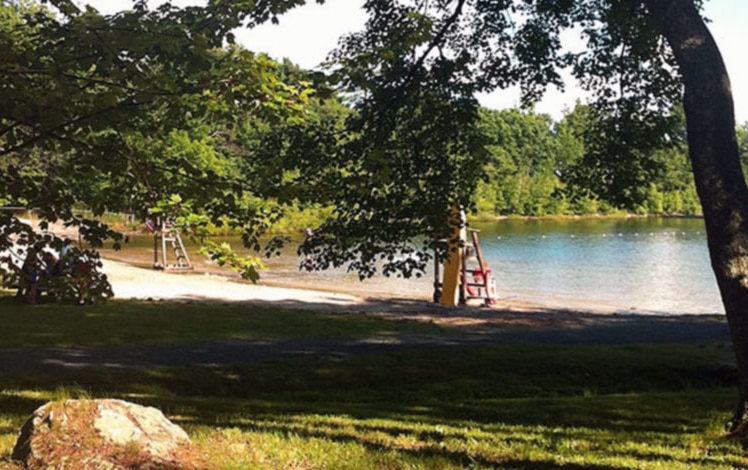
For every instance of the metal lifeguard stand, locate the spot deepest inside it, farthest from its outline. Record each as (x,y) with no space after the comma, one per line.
(164,232)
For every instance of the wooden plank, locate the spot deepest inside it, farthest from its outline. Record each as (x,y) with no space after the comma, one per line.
(453,264)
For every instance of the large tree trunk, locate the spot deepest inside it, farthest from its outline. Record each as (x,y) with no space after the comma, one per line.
(719,180)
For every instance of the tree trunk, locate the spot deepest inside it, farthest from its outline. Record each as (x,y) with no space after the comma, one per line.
(716,166)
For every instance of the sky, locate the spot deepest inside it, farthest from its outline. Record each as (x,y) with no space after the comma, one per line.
(305,36)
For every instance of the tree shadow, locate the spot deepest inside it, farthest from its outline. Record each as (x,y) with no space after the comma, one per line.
(562,385)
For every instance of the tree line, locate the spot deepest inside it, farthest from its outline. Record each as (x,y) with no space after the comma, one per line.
(539,167)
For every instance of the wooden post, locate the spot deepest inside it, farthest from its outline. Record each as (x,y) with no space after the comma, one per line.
(478,251)
(437,296)
(463,277)
(155,250)
(453,263)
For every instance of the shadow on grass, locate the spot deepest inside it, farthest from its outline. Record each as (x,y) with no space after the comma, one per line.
(200,320)
(447,396)
(16,410)
(135,323)
(462,430)
(433,449)
(572,386)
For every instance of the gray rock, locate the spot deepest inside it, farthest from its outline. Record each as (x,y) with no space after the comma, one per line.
(101,434)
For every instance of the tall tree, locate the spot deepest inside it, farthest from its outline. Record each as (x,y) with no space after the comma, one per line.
(528,157)
(721,185)
(645,168)
(642,56)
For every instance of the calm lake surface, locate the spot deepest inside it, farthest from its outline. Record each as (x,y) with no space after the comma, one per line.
(639,265)
(634,265)
(653,265)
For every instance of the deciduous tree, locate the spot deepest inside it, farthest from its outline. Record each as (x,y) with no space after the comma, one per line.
(71,82)
(642,57)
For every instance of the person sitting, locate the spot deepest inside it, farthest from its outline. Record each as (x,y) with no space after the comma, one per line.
(28,284)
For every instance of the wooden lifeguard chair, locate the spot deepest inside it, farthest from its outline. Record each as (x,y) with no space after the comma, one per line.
(165,233)
(475,277)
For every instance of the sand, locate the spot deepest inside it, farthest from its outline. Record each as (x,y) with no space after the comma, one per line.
(130,282)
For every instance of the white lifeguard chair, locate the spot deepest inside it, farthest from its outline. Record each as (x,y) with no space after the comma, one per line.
(164,232)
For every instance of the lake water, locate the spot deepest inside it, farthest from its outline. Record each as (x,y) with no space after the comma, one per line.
(653,265)
(637,265)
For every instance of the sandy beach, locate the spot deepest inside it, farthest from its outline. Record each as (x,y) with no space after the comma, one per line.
(131,282)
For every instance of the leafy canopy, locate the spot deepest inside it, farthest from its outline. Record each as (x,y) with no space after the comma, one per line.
(120,112)
(126,112)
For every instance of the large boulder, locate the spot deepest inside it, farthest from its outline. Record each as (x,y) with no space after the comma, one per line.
(102,434)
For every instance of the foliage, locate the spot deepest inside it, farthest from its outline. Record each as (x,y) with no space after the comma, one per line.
(636,166)
(32,263)
(160,104)
(123,113)
(539,167)
(419,59)
(528,158)
(221,253)
(742,136)
(412,150)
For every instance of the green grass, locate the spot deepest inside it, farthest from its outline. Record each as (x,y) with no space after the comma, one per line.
(524,406)
(132,322)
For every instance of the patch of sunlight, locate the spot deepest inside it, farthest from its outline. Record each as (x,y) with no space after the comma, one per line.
(7,441)
(162,373)
(421,409)
(30,394)
(182,419)
(70,392)
(141,395)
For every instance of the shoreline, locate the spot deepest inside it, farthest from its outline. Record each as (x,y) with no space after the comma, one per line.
(140,283)
(287,277)
(476,324)
(479,219)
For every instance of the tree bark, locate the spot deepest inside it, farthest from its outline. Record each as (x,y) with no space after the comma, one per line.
(719,179)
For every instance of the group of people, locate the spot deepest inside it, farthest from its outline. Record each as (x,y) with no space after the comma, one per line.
(40,267)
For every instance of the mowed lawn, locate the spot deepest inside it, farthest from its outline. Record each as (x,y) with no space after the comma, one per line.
(474,406)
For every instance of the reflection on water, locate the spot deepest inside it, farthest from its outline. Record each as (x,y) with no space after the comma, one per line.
(658,265)
(653,265)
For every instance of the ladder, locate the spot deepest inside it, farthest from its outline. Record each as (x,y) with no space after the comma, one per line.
(477,281)
(169,234)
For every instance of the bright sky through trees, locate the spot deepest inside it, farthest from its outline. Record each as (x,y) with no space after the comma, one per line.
(306,34)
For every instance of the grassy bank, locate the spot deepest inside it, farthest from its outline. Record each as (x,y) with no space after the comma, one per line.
(523,406)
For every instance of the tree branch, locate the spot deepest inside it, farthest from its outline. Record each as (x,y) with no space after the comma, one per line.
(51,131)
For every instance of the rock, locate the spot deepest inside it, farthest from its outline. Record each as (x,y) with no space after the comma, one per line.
(102,434)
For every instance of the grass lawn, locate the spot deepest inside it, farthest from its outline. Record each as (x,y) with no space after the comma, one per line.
(131,322)
(524,406)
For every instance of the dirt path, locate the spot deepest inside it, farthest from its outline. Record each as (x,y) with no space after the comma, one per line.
(580,329)
(510,322)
